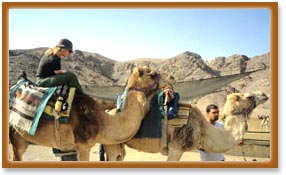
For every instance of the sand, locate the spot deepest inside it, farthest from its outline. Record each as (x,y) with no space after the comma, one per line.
(41,153)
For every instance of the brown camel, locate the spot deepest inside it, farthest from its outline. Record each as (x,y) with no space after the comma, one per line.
(198,133)
(90,124)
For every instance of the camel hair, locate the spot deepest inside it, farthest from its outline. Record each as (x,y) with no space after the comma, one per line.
(198,133)
(90,124)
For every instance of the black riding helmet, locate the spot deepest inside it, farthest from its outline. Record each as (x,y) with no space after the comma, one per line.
(65,43)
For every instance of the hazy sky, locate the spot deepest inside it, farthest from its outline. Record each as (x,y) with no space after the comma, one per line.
(125,34)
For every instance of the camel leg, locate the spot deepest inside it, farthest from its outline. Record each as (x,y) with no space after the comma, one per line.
(82,153)
(19,146)
(174,154)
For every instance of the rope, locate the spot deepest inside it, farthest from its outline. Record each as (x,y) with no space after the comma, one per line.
(165,128)
(243,153)
(57,128)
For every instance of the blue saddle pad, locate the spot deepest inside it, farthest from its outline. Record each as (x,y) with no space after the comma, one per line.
(151,126)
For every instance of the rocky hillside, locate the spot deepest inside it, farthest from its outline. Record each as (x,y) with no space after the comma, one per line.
(94,69)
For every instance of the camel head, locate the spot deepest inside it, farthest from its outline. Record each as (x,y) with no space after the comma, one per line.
(143,79)
(166,80)
(237,109)
(239,103)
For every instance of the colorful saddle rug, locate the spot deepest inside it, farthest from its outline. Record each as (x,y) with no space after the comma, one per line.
(28,103)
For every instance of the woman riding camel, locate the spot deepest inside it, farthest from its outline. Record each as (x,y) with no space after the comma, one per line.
(49,71)
(50,74)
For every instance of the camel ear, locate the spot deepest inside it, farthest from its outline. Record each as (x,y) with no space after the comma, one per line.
(237,98)
(153,73)
(137,71)
(170,77)
(248,95)
(234,97)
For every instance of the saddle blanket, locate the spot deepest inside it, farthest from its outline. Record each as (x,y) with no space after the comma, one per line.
(27,103)
(151,126)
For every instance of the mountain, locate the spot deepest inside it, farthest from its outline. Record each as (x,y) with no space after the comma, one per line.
(96,70)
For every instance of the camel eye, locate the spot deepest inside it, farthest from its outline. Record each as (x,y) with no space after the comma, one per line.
(250,97)
(153,74)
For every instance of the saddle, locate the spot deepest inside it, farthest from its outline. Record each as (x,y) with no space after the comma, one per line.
(182,115)
(62,105)
(28,103)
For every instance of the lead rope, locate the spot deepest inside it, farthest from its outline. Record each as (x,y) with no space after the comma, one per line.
(57,127)
(242,150)
(165,128)
(202,134)
(243,153)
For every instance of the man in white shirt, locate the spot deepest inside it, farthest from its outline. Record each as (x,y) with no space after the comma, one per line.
(212,117)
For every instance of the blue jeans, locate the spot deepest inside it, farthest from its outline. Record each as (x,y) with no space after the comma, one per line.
(71,157)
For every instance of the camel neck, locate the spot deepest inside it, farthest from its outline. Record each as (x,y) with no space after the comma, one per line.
(124,125)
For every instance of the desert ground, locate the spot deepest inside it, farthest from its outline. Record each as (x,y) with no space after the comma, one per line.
(41,153)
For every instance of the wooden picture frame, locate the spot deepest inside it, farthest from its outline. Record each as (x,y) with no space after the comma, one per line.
(273,8)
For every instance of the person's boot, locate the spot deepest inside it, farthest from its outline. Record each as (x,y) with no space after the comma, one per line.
(101,157)
(101,153)
(72,157)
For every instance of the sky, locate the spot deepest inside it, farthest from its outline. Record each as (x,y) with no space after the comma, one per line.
(127,34)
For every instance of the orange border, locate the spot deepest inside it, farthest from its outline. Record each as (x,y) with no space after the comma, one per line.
(272,6)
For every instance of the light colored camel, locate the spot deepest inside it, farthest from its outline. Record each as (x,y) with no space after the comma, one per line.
(198,133)
(90,124)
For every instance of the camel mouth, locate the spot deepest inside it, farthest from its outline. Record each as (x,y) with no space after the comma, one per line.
(241,142)
(265,98)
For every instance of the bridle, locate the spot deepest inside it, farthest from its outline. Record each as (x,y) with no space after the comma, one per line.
(246,113)
(150,89)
